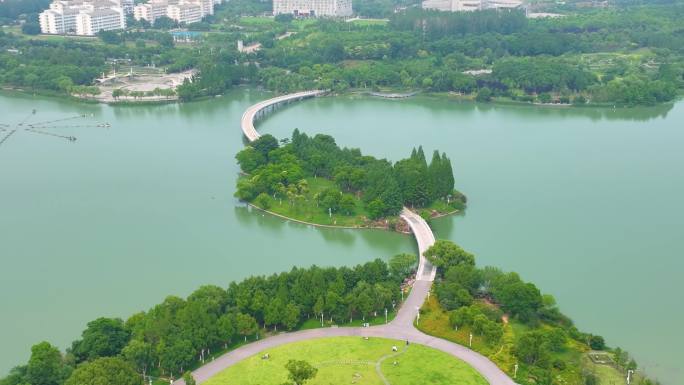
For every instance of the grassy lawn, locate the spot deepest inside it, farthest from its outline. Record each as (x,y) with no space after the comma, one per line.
(345,360)
(308,211)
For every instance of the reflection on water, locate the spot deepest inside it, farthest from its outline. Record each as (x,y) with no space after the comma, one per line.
(439,104)
(258,220)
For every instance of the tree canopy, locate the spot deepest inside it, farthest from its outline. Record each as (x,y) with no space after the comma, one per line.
(278,170)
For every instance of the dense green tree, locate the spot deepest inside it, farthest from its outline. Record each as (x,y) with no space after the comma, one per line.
(522,300)
(445,254)
(226,328)
(103,337)
(452,295)
(46,366)
(250,159)
(105,370)
(532,348)
(139,354)
(177,355)
(291,315)
(402,265)
(246,325)
(597,342)
(300,372)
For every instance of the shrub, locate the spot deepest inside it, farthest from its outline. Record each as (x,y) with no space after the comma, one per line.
(263,201)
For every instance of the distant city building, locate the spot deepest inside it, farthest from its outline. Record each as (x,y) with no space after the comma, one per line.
(313,8)
(182,11)
(82,17)
(470,5)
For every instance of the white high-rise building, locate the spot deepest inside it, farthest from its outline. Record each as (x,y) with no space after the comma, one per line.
(182,11)
(82,17)
(186,13)
(150,11)
(315,8)
(90,23)
(470,5)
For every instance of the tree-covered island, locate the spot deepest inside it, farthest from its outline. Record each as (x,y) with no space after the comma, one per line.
(313,180)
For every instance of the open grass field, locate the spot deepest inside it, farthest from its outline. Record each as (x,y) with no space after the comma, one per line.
(352,360)
(308,211)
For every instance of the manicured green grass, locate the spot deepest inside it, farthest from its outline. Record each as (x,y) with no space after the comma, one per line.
(345,360)
(308,211)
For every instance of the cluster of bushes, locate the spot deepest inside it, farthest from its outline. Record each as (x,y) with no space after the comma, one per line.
(481,298)
(278,170)
(483,320)
(172,336)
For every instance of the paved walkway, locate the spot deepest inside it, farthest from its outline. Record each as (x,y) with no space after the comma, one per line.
(400,328)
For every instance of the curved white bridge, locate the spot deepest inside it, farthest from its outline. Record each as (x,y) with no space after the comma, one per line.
(400,328)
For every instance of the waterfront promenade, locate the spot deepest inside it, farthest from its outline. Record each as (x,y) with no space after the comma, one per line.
(401,327)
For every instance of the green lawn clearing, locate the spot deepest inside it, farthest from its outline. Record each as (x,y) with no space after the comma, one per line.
(352,360)
(308,211)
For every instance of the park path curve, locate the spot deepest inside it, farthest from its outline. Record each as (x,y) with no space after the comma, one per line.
(401,327)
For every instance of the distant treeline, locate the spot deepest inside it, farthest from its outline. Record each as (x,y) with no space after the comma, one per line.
(12,9)
(384,187)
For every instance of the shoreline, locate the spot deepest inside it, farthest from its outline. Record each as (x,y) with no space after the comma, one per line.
(352,92)
(249,204)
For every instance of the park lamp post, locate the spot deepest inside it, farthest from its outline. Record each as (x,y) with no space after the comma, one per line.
(321,319)
(515,371)
(385,315)
(470,341)
(630,372)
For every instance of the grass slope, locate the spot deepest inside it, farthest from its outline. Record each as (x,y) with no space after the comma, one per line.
(308,211)
(345,360)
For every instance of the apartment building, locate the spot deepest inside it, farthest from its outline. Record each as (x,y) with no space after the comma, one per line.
(470,5)
(313,8)
(82,17)
(183,11)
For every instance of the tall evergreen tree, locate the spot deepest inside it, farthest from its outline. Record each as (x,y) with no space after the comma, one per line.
(447,175)
(434,171)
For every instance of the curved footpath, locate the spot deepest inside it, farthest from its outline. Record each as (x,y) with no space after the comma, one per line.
(400,328)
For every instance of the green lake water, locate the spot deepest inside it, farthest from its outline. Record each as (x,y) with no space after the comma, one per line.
(586,203)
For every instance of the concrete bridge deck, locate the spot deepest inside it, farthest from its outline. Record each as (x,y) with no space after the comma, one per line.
(257,110)
(401,327)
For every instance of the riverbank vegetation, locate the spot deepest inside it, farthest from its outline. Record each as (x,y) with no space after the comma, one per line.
(624,54)
(312,179)
(513,323)
(180,334)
